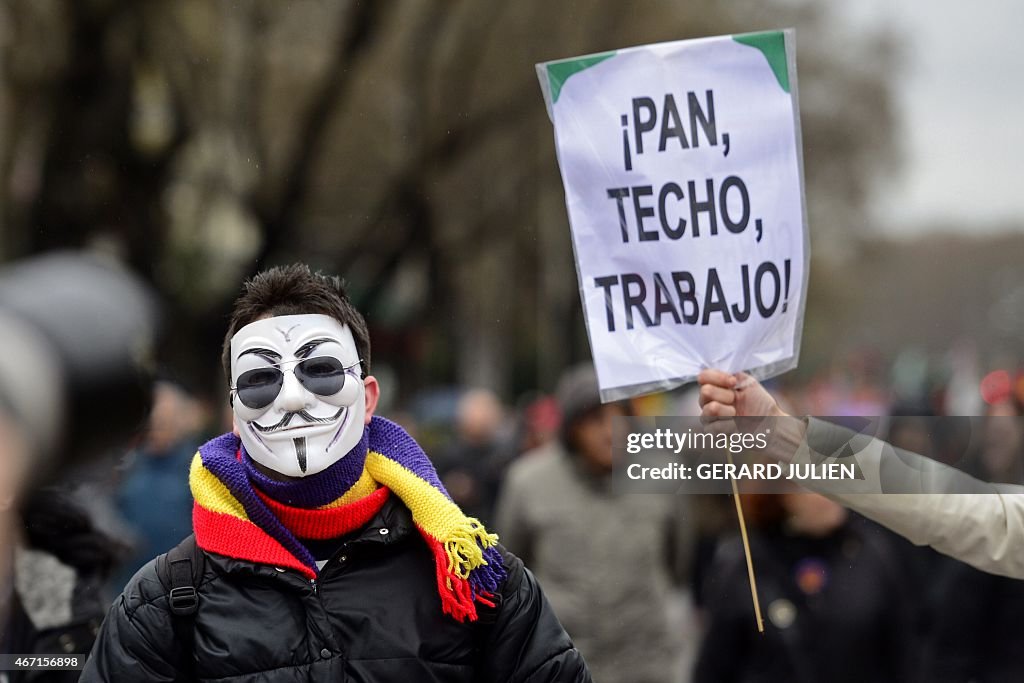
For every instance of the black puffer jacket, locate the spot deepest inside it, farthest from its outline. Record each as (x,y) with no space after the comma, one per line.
(373,615)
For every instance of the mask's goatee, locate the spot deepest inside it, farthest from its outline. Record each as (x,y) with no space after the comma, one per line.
(300,452)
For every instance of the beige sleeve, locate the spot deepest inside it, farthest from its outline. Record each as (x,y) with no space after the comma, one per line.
(976,522)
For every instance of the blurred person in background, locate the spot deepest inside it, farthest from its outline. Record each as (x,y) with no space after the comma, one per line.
(153,498)
(608,562)
(50,565)
(325,546)
(541,419)
(912,427)
(471,466)
(76,334)
(57,563)
(1002,456)
(833,594)
(976,627)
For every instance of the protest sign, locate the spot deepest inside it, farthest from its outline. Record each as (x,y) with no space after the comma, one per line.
(683,178)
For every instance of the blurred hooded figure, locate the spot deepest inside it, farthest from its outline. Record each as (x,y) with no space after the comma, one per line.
(608,562)
(76,332)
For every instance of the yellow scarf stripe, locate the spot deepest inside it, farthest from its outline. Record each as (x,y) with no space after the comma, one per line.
(464,538)
(210,493)
(431,509)
(363,487)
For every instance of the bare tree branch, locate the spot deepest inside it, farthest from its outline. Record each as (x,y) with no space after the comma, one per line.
(355,32)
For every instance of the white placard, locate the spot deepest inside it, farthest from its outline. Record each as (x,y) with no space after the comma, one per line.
(683,180)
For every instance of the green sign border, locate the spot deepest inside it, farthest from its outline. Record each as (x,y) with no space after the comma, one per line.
(559,72)
(772,45)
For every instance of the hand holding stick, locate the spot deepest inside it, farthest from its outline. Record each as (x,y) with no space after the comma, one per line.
(724,396)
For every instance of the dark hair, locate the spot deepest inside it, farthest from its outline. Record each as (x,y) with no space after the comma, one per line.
(296,290)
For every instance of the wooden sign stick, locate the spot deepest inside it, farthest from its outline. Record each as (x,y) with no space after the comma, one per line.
(746,553)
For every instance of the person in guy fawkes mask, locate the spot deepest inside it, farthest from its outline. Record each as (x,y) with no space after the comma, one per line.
(327,547)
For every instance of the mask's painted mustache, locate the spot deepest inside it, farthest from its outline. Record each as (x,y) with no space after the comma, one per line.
(309,419)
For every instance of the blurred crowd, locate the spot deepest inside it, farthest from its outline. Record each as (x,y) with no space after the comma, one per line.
(653,587)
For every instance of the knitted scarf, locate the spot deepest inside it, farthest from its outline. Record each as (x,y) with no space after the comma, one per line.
(241,513)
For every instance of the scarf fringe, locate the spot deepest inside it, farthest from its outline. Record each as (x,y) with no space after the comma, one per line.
(465,547)
(468,571)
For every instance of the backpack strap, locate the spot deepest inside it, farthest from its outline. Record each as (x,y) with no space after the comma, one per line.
(180,572)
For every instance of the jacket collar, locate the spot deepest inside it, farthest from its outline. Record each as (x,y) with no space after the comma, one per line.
(393,516)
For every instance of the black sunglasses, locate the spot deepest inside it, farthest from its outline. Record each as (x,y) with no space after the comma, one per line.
(323,376)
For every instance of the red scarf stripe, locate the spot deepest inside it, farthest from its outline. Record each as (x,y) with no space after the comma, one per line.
(455,592)
(323,523)
(238,538)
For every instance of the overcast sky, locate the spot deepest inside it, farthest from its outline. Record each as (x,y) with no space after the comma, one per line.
(962,101)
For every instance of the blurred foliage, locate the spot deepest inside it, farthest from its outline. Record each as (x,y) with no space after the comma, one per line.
(402,143)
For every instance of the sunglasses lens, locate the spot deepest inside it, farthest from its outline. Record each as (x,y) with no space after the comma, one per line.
(258,388)
(324,376)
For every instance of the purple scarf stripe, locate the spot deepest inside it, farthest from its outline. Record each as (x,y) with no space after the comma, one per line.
(488,578)
(318,489)
(218,456)
(388,438)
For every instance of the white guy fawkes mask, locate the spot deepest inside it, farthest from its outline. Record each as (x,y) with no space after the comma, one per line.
(297,393)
